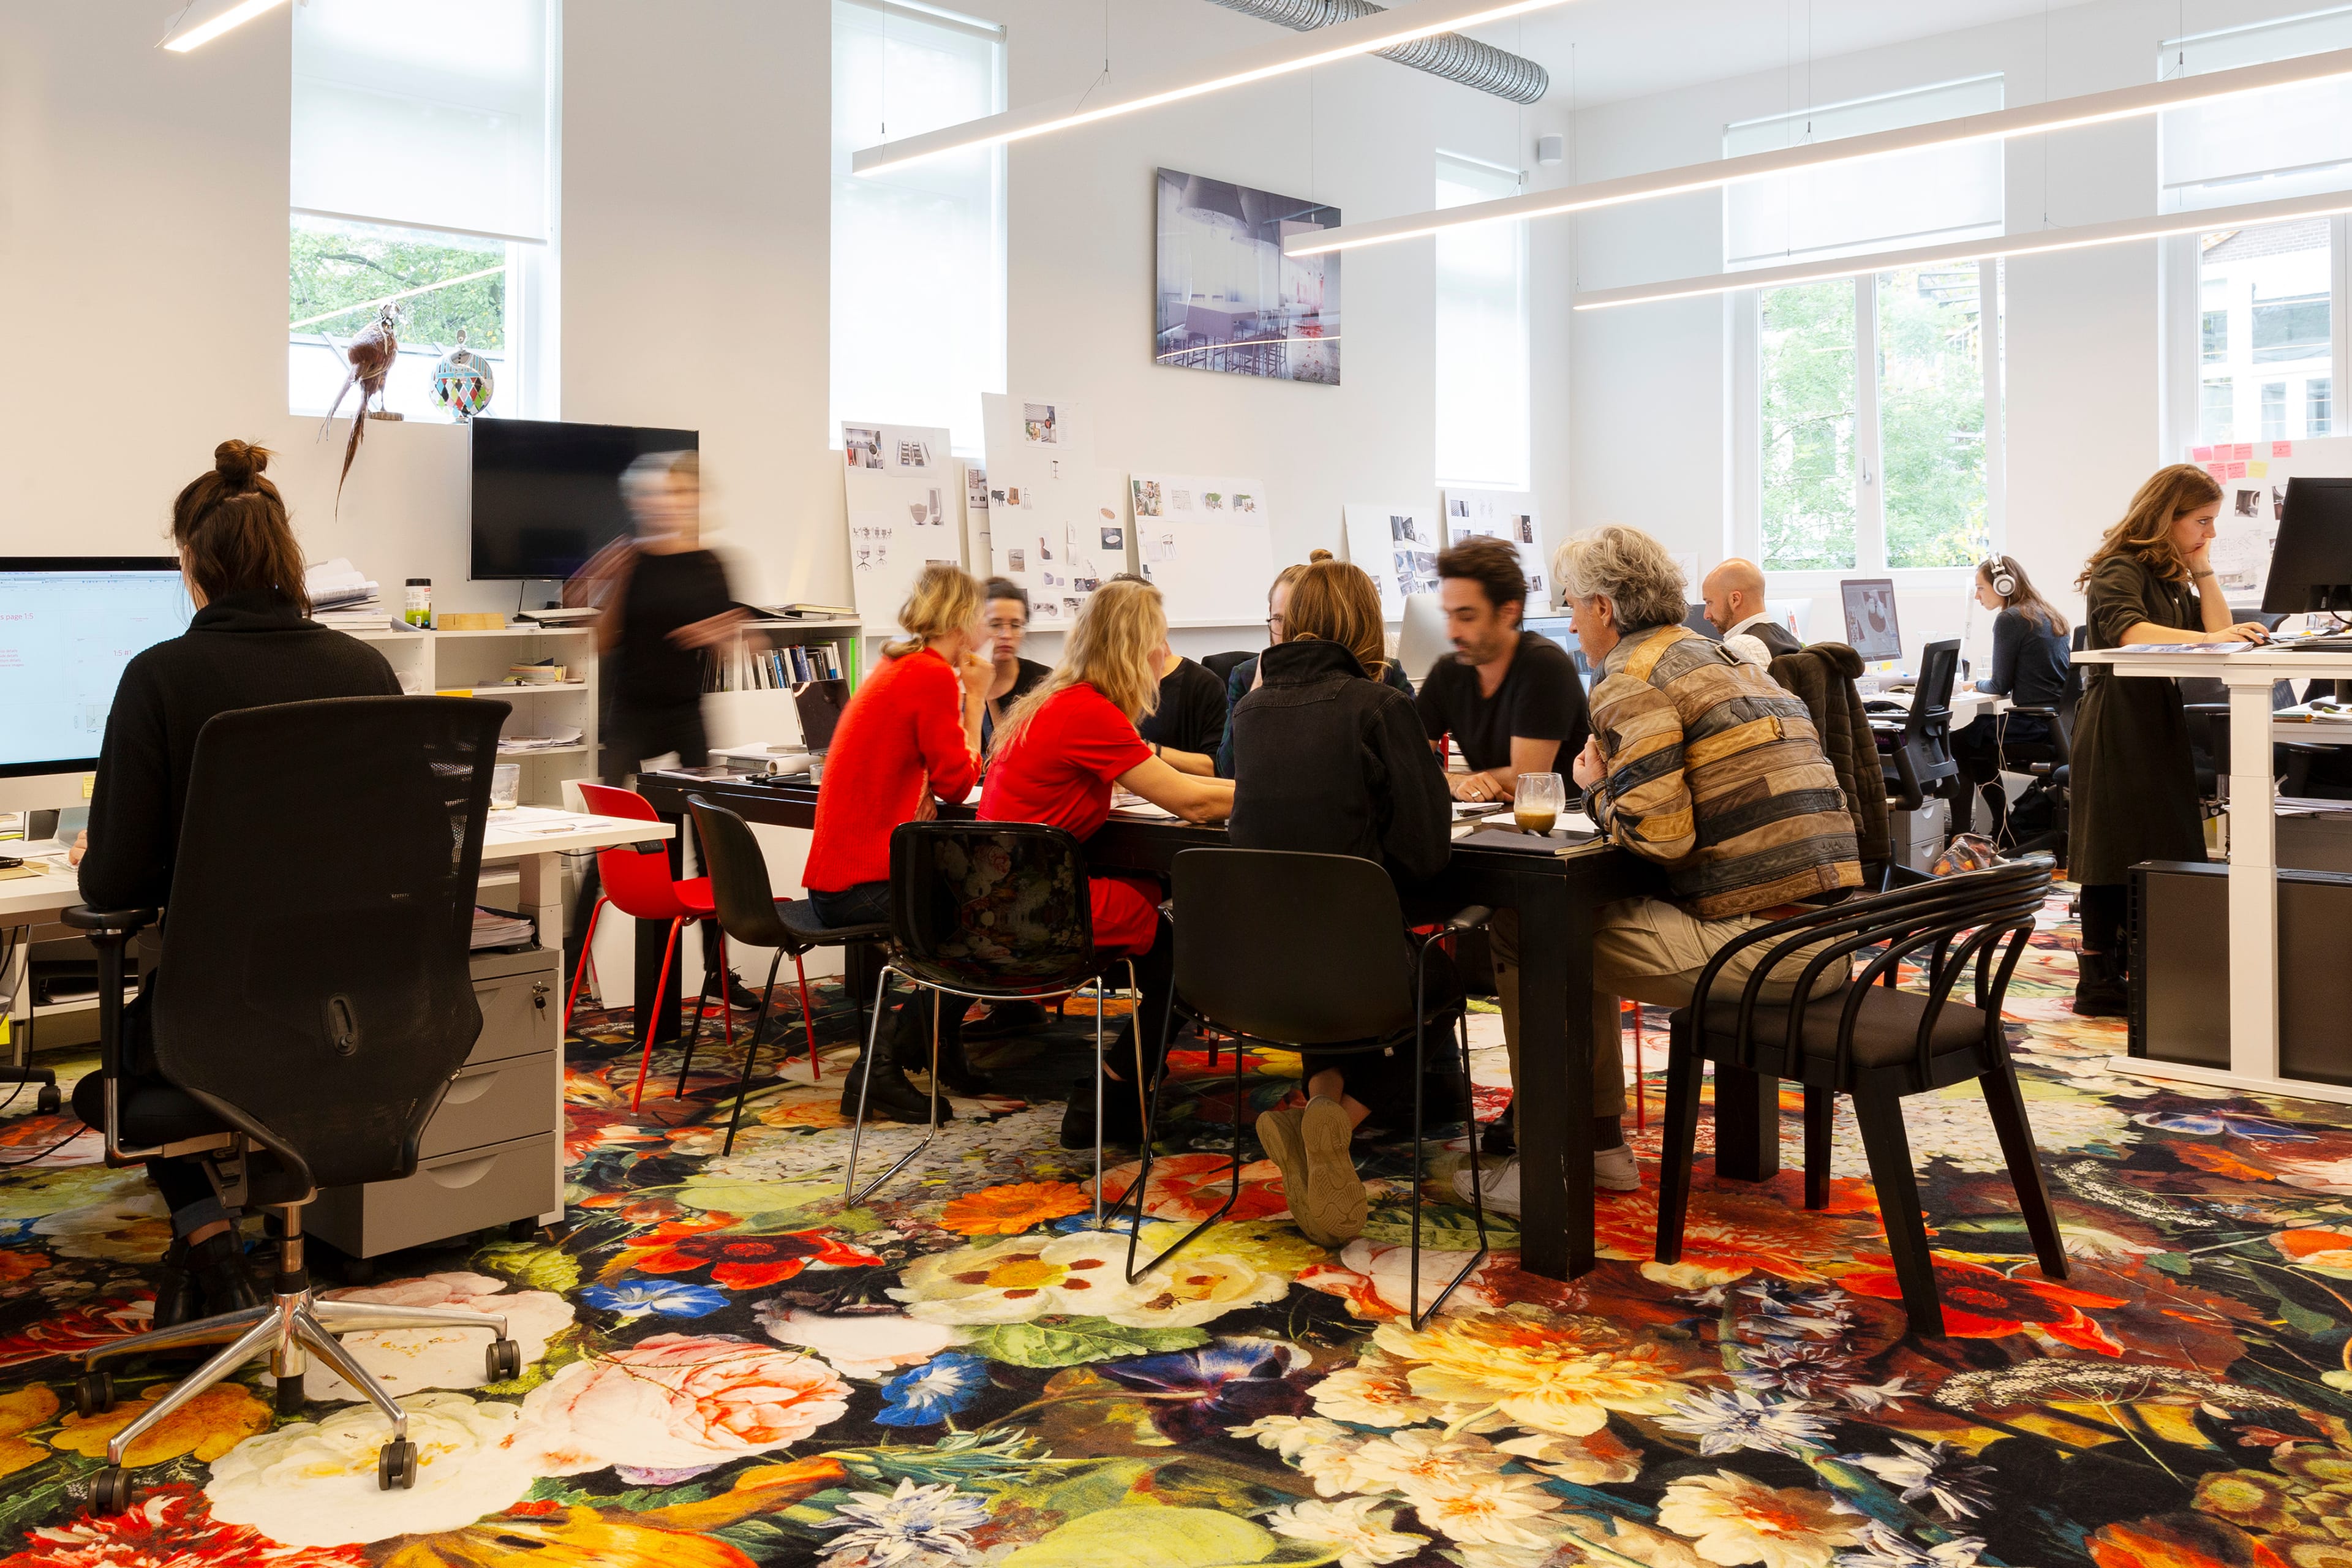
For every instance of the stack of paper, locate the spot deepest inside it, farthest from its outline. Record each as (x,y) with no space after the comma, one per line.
(564,735)
(343,596)
(496,928)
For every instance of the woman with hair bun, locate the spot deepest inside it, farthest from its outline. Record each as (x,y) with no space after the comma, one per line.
(249,646)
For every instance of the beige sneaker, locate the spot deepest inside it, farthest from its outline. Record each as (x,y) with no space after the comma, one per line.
(1336,1206)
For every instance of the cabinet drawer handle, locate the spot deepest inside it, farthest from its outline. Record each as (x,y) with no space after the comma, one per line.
(464,1173)
(470,1087)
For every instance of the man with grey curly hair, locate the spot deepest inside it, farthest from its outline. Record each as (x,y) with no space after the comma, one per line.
(1698,762)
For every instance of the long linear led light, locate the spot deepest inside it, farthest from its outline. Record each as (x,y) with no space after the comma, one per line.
(2000,124)
(204,33)
(1303,51)
(2080,238)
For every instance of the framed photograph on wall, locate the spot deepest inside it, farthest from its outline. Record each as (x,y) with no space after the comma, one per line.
(1228,298)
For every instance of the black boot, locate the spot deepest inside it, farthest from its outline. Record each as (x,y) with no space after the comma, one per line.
(1007,1019)
(1122,1105)
(956,1073)
(892,1098)
(177,1299)
(216,1266)
(2099,988)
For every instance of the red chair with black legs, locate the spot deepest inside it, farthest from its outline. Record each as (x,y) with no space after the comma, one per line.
(637,882)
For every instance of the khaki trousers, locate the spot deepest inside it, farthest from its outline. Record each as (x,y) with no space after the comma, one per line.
(1650,951)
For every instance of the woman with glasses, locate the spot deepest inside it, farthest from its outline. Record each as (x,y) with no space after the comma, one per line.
(1006,621)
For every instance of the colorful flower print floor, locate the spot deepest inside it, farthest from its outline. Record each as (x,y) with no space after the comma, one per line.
(726,1367)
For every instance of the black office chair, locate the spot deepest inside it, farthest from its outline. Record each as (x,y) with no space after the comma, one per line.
(1307,952)
(990,911)
(751,915)
(1877,1044)
(305,1021)
(1916,753)
(1222,664)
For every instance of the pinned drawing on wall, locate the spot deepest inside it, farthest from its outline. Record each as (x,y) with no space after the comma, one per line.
(1039,425)
(892,448)
(1397,547)
(899,494)
(1207,544)
(1509,516)
(1044,509)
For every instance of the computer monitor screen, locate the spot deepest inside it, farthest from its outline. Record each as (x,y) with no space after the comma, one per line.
(1695,620)
(1871,628)
(547,495)
(2311,563)
(68,625)
(1423,638)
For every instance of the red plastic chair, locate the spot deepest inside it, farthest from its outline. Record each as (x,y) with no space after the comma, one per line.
(637,882)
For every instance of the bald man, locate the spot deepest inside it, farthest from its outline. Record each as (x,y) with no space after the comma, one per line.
(1734,593)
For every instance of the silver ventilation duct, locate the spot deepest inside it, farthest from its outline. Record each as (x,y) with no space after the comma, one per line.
(1447,54)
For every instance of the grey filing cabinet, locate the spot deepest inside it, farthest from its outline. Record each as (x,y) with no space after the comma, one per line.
(2180,968)
(492,1153)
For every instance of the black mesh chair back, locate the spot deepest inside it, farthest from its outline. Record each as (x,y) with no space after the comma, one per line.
(1931,701)
(1921,755)
(314,989)
(1297,949)
(738,868)
(991,908)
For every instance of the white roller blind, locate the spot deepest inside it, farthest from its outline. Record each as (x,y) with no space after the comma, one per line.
(2288,142)
(1910,198)
(1482,338)
(428,114)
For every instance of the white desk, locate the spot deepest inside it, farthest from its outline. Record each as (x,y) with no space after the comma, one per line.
(2253,853)
(1969,703)
(2292,732)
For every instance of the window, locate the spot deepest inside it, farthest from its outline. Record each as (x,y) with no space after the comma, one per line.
(2289,329)
(2217,412)
(2319,406)
(1483,416)
(1885,460)
(2259,146)
(1911,198)
(2274,411)
(422,179)
(2215,336)
(2273,286)
(918,251)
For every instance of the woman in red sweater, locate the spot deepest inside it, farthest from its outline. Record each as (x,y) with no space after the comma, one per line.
(910,739)
(1056,756)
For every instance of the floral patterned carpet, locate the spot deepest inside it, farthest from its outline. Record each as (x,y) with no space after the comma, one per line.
(726,1367)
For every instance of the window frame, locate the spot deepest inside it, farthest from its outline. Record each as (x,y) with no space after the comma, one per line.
(1744,323)
(2180,276)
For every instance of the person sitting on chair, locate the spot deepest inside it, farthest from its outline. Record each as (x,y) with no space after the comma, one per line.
(2029,667)
(1329,759)
(1061,750)
(249,646)
(1697,762)
(1733,605)
(1243,678)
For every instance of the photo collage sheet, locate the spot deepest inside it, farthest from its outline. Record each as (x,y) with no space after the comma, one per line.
(905,494)
(1206,543)
(1054,524)
(1509,516)
(2252,477)
(1397,547)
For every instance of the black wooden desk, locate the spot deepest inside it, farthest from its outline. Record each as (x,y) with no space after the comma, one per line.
(1556,900)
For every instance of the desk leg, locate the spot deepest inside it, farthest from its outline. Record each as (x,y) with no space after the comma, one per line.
(1556,1115)
(1746,1125)
(542,901)
(2253,886)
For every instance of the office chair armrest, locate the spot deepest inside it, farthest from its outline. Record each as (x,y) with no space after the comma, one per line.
(2033,711)
(1471,918)
(129,922)
(109,930)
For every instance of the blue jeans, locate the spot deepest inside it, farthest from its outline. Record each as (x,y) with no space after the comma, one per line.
(867,903)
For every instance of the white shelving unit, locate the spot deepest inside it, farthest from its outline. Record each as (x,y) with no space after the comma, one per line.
(475,664)
(743,716)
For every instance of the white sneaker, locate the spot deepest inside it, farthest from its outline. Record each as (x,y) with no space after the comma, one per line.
(1500,1184)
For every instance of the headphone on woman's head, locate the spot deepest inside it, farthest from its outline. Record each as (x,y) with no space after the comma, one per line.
(1998,576)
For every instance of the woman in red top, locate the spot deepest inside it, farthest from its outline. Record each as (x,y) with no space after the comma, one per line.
(910,739)
(1057,757)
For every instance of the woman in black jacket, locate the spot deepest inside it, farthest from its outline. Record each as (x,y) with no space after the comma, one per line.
(1329,760)
(2028,667)
(249,646)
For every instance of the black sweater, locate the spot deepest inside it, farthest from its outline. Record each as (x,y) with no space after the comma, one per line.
(243,650)
(1191,712)
(1328,761)
(2029,662)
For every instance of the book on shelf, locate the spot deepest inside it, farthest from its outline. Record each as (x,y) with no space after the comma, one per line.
(778,667)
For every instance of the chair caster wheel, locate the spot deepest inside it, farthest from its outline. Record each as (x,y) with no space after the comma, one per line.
(289,1394)
(111,1491)
(396,1465)
(94,1393)
(48,1100)
(502,1360)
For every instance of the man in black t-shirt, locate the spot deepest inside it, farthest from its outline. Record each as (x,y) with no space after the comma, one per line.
(1512,703)
(1188,725)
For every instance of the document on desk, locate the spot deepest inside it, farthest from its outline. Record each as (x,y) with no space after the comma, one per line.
(538,820)
(1127,803)
(2182,647)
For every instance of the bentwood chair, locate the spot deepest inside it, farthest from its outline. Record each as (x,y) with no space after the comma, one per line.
(299,1033)
(989,911)
(1875,1042)
(1311,952)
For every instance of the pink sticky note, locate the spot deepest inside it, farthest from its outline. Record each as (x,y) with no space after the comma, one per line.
(2240,452)
(2233,471)
(2201,454)
(2282,448)
(2219,471)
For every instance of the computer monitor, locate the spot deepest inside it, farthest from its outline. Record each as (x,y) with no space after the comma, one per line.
(1422,639)
(1871,628)
(68,625)
(2311,563)
(1695,620)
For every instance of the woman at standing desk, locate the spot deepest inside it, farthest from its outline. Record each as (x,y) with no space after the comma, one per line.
(1329,759)
(2135,786)
(909,740)
(249,646)
(2029,667)
(1056,760)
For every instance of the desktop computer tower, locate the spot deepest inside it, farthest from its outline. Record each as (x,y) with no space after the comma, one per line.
(2180,968)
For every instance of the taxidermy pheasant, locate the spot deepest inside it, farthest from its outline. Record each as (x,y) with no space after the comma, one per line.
(370,358)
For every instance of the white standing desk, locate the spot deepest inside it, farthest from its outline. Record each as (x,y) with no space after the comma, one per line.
(2253,853)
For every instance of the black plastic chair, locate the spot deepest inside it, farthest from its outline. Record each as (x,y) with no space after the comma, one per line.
(990,911)
(1310,952)
(751,915)
(1222,664)
(1877,1043)
(1917,756)
(304,1026)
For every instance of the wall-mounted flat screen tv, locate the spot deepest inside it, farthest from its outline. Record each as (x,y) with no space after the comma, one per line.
(547,495)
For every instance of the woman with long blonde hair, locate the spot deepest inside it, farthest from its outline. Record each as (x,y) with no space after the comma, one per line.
(1058,756)
(1330,761)
(909,740)
(2151,580)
